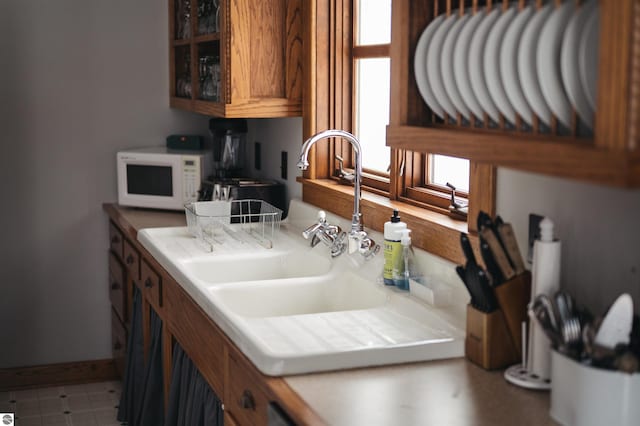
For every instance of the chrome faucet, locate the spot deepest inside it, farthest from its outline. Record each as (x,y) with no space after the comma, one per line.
(329,234)
(358,238)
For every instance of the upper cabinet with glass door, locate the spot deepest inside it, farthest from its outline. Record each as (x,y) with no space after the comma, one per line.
(548,86)
(236,58)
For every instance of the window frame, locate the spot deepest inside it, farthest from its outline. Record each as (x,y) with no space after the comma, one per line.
(329,88)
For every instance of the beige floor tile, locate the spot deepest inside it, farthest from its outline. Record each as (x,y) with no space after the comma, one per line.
(106,416)
(28,408)
(54,420)
(73,389)
(25,394)
(29,421)
(78,402)
(87,418)
(51,406)
(100,400)
(52,392)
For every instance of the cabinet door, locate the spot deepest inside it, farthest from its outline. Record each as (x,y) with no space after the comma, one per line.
(131,260)
(152,285)
(116,241)
(244,399)
(118,342)
(118,287)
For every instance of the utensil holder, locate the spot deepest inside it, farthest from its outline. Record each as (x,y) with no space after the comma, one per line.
(584,395)
(488,342)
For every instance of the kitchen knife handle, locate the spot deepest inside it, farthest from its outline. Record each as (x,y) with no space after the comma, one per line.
(498,253)
(467,249)
(511,246)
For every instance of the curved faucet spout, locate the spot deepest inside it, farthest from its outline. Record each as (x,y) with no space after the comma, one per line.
(358,239)
(303,163)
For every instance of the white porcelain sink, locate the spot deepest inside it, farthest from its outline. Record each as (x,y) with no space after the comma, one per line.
(330,293)
(293,309)
(263,265)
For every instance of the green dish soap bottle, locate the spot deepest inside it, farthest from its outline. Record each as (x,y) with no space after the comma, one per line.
(392,246)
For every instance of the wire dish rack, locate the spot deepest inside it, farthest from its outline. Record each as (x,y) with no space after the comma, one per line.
(235,223)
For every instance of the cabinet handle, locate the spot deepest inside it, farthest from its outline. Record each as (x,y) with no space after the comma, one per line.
(246,401)
(129,259)
(148,283)
(115,285)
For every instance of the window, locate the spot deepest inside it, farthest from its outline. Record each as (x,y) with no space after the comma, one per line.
(348,43)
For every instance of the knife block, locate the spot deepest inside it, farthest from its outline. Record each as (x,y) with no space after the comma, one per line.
(513,298)
(488,342)
(494,340)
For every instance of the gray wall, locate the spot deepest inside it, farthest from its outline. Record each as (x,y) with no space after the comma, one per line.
(79,80)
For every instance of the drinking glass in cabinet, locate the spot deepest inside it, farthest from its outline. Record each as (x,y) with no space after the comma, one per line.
(207,13)
(209,81)
(183,84)
(183,19)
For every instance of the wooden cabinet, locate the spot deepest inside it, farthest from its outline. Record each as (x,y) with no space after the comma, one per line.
(609,154)
(119,294)
(236,58)
(244,391)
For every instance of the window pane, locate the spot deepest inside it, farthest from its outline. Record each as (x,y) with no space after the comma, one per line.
(372,111)
(374,22)
(450,169)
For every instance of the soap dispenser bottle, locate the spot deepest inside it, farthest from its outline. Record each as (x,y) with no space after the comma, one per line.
(406,268)
(392,247)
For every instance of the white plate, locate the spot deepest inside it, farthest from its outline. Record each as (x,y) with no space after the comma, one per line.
(460,64)
(491,64)
(434,74)
(588,57)
(527,65)
(548,62)
(420,66)
(475,68)
(446,67)
(569,62)
(509,64)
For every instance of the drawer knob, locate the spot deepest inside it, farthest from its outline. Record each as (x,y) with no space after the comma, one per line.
(148,283)
(246,401)
(115,285)
(129,259)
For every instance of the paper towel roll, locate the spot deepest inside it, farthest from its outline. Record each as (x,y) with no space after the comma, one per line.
(545,279)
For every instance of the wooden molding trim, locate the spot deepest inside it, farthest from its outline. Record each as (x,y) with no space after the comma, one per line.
(434,232)
(57,374)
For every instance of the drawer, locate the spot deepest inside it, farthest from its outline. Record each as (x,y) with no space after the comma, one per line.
(116,240)
(131,260)
(118,343)
(151,284)
(117,287)
(245,401)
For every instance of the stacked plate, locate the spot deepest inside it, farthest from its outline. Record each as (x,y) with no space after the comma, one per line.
(527,62)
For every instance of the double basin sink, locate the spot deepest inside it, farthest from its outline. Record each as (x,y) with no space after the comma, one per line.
(293,309)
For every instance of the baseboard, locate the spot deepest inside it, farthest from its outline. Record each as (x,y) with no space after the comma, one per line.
(58,374)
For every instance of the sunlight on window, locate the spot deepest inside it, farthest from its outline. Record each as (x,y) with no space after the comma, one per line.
(372,111)
(374,22)
(450,169)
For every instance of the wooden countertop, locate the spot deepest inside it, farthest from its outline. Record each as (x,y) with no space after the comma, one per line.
(448,392)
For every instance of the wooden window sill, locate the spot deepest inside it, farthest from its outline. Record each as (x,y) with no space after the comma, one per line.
(434,232)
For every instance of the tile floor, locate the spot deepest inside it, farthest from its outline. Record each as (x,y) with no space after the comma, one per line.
(91,404)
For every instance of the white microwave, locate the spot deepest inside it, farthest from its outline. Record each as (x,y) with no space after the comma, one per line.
(161,178)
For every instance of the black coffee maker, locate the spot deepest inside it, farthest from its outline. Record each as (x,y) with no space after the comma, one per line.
(229,144)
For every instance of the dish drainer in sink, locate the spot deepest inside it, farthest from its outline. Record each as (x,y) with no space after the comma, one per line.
(233,223)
